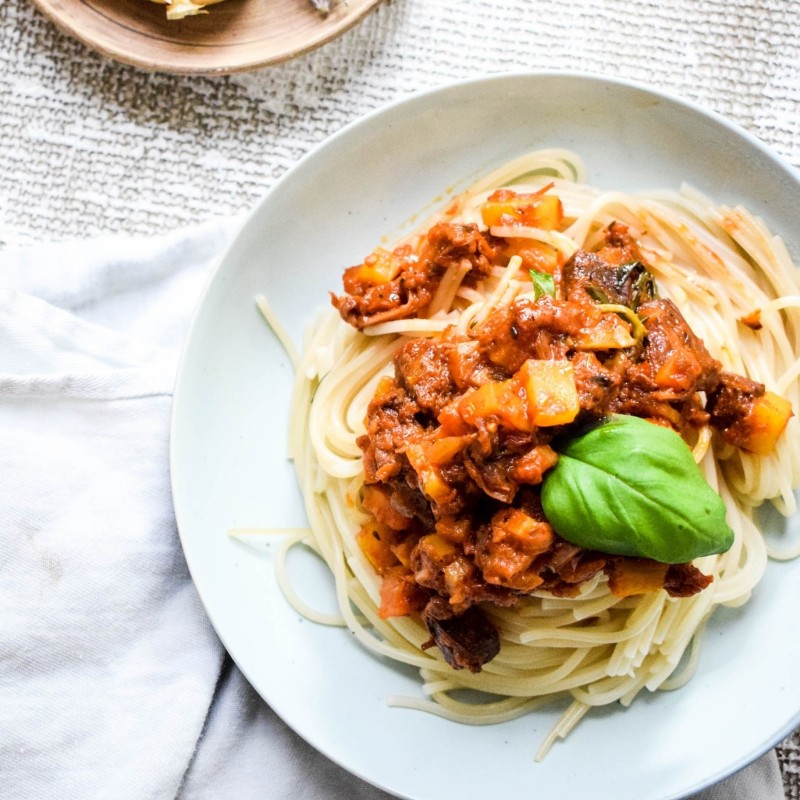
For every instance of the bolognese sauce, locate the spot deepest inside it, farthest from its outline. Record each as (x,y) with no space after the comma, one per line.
(459,438)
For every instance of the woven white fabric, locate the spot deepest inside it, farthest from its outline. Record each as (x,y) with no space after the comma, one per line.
(90,147)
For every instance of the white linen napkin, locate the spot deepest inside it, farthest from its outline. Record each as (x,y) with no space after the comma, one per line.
(112,681)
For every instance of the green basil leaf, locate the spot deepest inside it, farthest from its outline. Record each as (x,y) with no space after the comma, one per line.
(543,283)
(632,488)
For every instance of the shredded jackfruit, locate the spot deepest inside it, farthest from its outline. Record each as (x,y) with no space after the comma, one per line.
(178,9)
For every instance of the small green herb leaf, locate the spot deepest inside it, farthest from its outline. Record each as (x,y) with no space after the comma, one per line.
(543,283)
(644,286)
(598,295)
(632,488)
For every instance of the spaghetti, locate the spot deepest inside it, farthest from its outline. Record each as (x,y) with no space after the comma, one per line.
(737,288)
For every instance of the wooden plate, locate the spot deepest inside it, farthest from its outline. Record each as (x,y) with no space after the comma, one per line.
(234,36)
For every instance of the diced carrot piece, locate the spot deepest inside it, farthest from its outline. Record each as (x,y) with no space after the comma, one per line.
(400,594)
(444,450)
(375,540)
(536,256)
(429,477)
(552,397)
(499,399)
(380,266)
(514,527)
(458,576)
(498,205)
(453,529)
(516,540)
(759,430)
(437,548)
(384,390)
(376,499)
(534,210)
(547,214)
(451,421)
(403,549)
(636,576)
(510,568)
(679,371)
(610,332)
(531,466)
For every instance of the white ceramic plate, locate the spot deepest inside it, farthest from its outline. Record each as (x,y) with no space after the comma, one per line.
(229,430)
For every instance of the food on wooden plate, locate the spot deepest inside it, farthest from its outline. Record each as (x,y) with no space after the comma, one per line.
(178,9)
(531,437)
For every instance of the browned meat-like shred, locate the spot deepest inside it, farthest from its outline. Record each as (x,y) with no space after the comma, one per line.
(370,299)
(732,399)
(467,640)
(596,382)
(527,329)
(391,422)
(684,580)
(673,367)
(450,244)
(399,298)
(422,368)
(620,246)
(678,360)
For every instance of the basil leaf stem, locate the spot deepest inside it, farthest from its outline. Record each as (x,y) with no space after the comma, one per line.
(637,328)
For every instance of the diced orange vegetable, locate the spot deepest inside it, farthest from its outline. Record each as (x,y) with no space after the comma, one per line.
(451,421)
(430,478)
(531,466)
(536,210)
(375,540)
(400,595)
(453,529)
(457,578)
(552,397)
(500,399)
(444,450)
(376,499)
(384,390)
(526,534)
(437,548)
(500,564)
(380,266)
(636,576)
(535,255)
(516,540)
(759,431)
(542,393)
(679,371)
(610,332)
(403,549)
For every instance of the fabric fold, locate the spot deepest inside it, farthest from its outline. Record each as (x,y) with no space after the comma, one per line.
(109,663)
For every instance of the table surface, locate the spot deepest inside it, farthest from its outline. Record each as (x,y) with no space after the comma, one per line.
(89,146)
